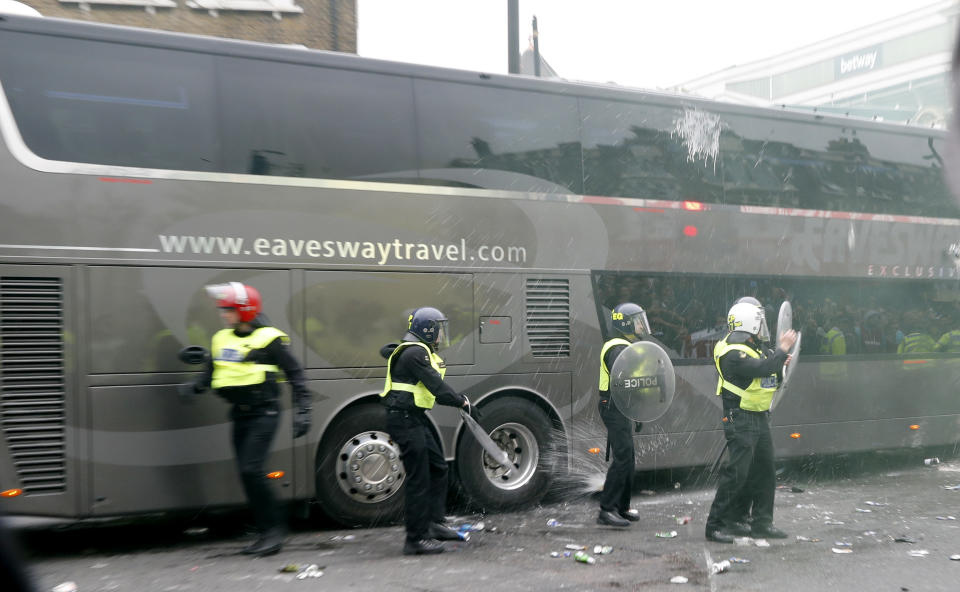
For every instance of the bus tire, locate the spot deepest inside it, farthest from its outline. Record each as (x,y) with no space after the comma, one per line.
(524,431)
(359,475)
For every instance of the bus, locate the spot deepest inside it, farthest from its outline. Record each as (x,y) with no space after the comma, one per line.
(138,166)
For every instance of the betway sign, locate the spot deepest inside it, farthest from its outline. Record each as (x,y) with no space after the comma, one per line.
(858,62)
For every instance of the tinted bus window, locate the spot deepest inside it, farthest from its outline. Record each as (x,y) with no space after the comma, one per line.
(905,174)
(785,163)
(303,121)
(86,101)
(498,139)
(837,317)
(633,151)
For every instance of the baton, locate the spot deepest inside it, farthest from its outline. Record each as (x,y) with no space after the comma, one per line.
(495,452)
(716,463)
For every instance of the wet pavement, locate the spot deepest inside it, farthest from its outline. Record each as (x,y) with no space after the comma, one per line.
(850,517)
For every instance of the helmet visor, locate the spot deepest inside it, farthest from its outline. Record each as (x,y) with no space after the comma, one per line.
(641,326)
(219,292)
(443,335)
(764,333)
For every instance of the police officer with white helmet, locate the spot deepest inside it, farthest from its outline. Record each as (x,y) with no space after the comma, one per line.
(748,377)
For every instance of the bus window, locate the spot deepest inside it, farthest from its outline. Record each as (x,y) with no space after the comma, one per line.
(632,151)
(371,309)
(904,175)
(785,163)
(781,163)
(498,139)
(154,110)
(838,317)
(303,121)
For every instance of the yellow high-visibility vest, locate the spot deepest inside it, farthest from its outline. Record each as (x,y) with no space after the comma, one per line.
(604,371)
(759,393)
(422,397)
(229,351)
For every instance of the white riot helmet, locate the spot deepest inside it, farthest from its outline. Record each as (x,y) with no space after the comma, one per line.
(749,318)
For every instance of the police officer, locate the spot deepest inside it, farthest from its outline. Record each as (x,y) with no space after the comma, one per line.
(414,383)
(629,320)
(243,368)
(917,340)
(748,378)
(950,341)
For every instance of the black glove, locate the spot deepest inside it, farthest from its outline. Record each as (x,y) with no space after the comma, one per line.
(301,422)
(256,356)
(188,392)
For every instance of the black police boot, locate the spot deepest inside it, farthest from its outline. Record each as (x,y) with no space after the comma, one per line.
(737,528)
(269,543)
(422,547)
(611,519)
(442,532)
(631,515)
(768,532)
(719,536)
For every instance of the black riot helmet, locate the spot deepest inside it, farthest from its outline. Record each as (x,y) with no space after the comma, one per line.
(630,319)
(429,325)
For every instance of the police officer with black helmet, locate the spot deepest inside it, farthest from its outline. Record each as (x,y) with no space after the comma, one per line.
(414,383)
(748,377)
(629,320)
(242,367)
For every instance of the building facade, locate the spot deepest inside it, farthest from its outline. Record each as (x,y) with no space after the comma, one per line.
(895,70)
(316,24)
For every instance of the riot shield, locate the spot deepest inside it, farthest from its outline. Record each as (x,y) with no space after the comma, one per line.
(642,381)
(784,324)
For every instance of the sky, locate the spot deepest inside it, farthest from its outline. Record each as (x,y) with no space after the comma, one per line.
(635,43)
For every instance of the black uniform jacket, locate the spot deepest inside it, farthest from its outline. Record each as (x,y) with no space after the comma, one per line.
(412,365)
(741,369)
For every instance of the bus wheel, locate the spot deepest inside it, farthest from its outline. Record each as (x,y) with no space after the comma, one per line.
(359,472)
(522,430)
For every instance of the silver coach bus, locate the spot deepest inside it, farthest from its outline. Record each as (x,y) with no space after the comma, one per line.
(137,166)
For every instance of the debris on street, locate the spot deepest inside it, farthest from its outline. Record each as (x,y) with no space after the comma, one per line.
(582,557)
(311,571)
(602,550)
(720,567)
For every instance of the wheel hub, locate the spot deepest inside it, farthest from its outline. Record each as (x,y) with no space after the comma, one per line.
(369,469)
(523,451)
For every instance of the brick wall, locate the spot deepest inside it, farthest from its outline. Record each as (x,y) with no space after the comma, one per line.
(324,24)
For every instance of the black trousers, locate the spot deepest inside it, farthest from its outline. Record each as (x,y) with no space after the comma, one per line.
(618,485)
(426,479)
(253,430)
(748,477)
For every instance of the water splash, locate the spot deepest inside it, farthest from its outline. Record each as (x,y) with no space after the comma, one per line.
(578,472)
